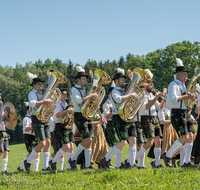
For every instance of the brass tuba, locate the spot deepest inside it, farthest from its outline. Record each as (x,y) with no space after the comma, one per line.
(191,87)
(68,120)
(138,77)
(45,111)
(90,107)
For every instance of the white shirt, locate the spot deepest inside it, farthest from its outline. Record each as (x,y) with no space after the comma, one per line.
(107,106)
(153,108)
(60,107)
(173,94)
(2,127)
(77,98)
(198,100)
(137,118)
(161,114)
(116,94)
(33,97)
(26,123)
(51,124)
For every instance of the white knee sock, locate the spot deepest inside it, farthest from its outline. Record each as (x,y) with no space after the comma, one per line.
(132,153)
(61,163)
(46,156)
(50,158)
(174,148)
(36,164)
(188,150)
(157,153)
(182,155)
(142,158)
(4,164)
(58,155)
(118,159)
(109,151)
(140,153)
(113,152)
(88,152)
(32,156)
(79,149)
(68,156)
(22,164)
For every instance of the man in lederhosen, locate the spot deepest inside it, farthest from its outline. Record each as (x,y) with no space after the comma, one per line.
(109,130)
(150,123)
(180,117)
(29,140)
(65,136)
(41,130)
(125,130)
(85,127)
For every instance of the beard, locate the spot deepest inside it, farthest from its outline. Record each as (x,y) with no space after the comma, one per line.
(149,89)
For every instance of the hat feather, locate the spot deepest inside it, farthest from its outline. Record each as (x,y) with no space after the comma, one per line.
(26,103)
(179,62)
(113,84)
(80,69)
(119,70)
(31,76)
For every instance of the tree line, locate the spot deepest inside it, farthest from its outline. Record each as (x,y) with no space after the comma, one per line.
(15,84)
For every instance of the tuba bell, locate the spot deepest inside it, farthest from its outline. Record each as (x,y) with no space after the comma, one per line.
(191,87)
(68,119)
(90,107)
(138,77)
(45,111)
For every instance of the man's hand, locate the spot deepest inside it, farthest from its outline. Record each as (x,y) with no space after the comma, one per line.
(135,95)
(158,95)
(49,101)
(95,95)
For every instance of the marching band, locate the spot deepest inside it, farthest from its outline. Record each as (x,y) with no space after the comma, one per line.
(129,115)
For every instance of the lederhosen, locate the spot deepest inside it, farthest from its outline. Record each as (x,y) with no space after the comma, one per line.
(29,140)
(150,125)
(85,127)
(41,130)
(4,141)
(64,135)
(123,129)
(180,119)
(140,134)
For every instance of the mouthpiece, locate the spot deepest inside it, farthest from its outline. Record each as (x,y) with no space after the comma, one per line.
(41,88)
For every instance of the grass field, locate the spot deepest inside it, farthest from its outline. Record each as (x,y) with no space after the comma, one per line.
(166,178)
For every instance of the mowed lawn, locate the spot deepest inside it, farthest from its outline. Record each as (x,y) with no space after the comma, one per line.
(166,178)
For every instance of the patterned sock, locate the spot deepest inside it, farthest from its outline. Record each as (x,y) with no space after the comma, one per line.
(32,156)
(58,155)
(157,153)
(188,150)
(79,149)
(88,152)
(36,164)
(132,152)
(68,156)
(46,156)
(182,155)
(140,153)
(142,158)
(61,163)
(22,164)
(174,148)
(4,164)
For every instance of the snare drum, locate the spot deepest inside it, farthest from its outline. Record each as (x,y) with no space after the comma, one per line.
(77,135)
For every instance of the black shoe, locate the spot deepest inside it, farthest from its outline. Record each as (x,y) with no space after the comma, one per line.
(178,163)
(20,170)
(127,164)
(131,167)
(110,165)
(52,165)
(5,172)
(90,167)
(27,166)
(104,163)
(72,164)
(153,164)
(136,162)
(159,166)
(47,169)
(166,160)
(189,164)
(142,167)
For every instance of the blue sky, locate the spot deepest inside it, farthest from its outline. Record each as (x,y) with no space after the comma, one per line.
(92,29)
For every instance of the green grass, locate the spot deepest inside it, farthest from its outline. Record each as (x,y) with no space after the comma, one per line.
(166,178)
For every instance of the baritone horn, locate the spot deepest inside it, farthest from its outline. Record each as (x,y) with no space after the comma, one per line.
(68,119)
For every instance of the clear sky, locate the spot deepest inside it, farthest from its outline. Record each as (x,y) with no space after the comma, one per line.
(92,29)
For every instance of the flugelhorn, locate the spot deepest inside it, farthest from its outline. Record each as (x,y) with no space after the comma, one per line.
(162,95)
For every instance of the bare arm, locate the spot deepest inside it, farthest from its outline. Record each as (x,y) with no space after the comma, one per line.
(166,122)
(109,116)
(39,103)
(126,97)
(84,99)
(29,128)
(152,102)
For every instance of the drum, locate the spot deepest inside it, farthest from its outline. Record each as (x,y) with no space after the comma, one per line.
(77,135)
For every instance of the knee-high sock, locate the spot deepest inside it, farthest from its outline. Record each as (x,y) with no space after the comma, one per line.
(174,148)
(113,152)
(157,153)
(127,158)
(36,164)
(142,160)
(50,158)
(109,151)
(188,150)
(32,156)
(88,152)
(118,159)
(58,155)
(79,149)
(182,155)
(46,156)
(22,164)
(61,163)
(4,164)
(68,156)
(140,153)
(132,153)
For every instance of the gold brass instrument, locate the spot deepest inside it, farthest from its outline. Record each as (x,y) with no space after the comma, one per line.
(45,111)
(138,77)
(68,120)
(90,107)
(162,96)
(191,87)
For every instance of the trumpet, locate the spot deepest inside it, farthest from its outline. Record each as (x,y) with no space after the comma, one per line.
(162,96)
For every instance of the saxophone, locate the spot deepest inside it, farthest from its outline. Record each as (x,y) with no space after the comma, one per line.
(45,111)
(90,107)
(191,87)
(128,109)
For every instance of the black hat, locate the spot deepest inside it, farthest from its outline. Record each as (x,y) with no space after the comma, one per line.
(119,74)
(180,67)
(36,80)
(81,72)
(63,89)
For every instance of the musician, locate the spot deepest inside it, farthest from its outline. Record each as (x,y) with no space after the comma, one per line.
(125,131)
(42,131)
(150,123)
(85,127)
(29,140)
(65,135)
(180,117)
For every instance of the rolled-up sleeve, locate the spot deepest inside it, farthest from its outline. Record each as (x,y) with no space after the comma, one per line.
(173,92)
(161,115)
(76,96)
(26,123)
(58,109)
(116,96)
(106,110)
(32,99)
